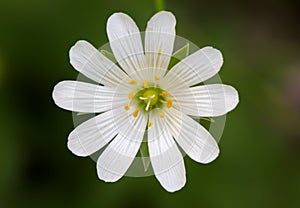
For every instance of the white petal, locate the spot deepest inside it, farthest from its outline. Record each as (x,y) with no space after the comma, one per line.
(166,159)
(206,100)
(125,42)
(92,135)
(159,40)
(94,65)
(85,97)
(194,69)
(193,138)
(118,156)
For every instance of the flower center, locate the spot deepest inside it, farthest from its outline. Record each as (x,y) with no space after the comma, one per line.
(149,98)
(150,95)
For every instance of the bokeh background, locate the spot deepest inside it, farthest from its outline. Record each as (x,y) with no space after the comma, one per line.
(259,165)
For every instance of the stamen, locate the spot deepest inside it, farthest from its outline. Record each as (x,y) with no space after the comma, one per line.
(133,81)
(161,115)
(152,96)
(157,77)
(164,94)
(159,52)
(127,107)
(130,95)
(143,98)
(135,113)
(169,103)
(148,105)
(149,124)
(145,83)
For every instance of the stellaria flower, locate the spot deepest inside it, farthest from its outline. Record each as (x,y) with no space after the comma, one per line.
(142,97)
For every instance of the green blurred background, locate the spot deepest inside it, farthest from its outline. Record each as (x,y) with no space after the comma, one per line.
(259,165)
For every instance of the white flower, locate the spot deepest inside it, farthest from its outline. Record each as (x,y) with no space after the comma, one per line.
(142,96)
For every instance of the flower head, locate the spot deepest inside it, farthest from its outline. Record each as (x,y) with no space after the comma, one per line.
(143,96)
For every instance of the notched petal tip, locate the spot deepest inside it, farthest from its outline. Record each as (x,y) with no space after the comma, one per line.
(171,184)
(81,42)
(117,15)
(58,92)
(75,146)
(215,56)
(210,158)
(232,98)
(77,46)
(174,189)
(209,152)
(79,50)
(119,24)
(107,176)
(55,91)
(163,17)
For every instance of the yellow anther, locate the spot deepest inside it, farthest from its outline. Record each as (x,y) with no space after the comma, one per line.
(159,52)
(157,77)
(133,81)
(145,83)
(161,115)
(127,107)
(149,124)
(169,103)
(164,94)
(136,113)
(130,95)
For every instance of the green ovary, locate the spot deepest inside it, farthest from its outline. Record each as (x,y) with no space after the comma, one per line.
(149,98)
(152,95)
